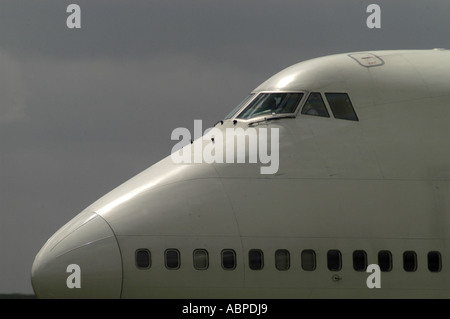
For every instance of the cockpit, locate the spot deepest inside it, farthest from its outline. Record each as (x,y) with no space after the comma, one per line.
(271,104)
(268,105)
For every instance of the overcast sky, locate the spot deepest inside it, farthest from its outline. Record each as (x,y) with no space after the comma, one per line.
(83,110)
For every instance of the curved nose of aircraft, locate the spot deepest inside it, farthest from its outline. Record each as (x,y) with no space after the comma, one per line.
(81,260)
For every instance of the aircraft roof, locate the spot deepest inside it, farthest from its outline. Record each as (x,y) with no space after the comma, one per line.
(381,75)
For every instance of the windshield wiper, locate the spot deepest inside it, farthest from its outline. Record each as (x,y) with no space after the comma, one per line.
(266,119)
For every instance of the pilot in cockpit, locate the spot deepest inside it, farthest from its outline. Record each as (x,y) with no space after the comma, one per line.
(273,103)
(269,105)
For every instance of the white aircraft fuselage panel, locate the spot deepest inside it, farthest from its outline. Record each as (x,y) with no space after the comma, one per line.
(350,190)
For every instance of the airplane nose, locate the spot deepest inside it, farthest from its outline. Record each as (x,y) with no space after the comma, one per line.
(81,260)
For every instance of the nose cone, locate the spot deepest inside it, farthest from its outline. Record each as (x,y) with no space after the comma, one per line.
(81,260)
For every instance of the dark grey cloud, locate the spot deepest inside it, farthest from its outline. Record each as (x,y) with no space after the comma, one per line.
(81,111)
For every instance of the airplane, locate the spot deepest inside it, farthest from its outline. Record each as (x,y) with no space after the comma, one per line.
(362,179)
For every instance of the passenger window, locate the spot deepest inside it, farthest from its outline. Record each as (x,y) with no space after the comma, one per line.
(434,261)
(385,260)
(308,260)
(143,258)
(228,259)
(409,261)
(341,106)
(282,259)
(255,259)
(172,259)
(334,260)
(315,106)
(201,259)
(359,260)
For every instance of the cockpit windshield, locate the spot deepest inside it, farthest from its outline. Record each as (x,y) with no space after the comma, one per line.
(268,104)
(237,108)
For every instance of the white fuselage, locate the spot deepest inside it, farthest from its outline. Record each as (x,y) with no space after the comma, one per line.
(376,184)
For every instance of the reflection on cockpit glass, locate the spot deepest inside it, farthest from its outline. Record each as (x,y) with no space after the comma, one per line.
(271,104)
(237,108)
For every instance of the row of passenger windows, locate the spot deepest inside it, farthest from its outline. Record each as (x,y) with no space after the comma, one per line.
(172,260)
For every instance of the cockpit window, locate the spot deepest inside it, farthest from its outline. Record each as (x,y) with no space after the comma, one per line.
(315,106)
(237,108)
(341,106)
(271,104)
